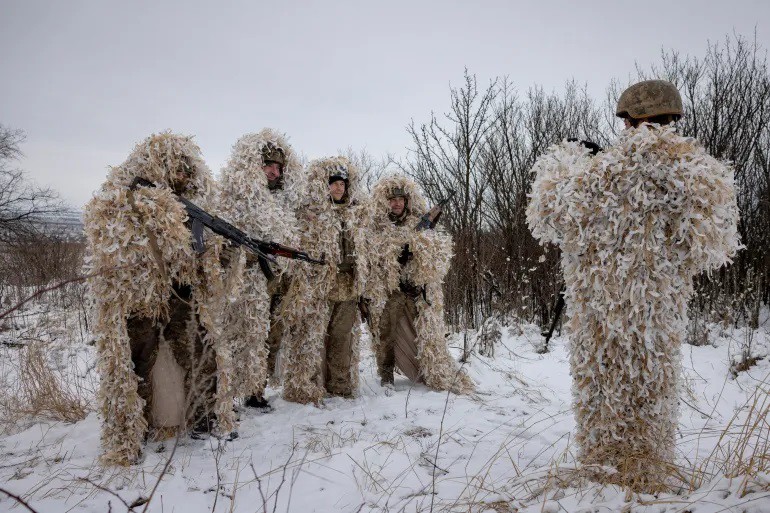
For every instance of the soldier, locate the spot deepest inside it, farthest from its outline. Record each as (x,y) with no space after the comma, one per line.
(322,330)
(406,296)
(635,223)
(258,191)
(156,298)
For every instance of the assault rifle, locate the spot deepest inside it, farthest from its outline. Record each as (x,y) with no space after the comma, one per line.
(263,250)
(429,219)
(556,316)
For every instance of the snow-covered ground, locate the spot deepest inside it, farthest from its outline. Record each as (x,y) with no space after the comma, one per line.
(506,448)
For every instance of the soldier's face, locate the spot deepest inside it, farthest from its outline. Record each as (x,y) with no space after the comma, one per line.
(337,189)
(180,178)
(272,171)
(397,205)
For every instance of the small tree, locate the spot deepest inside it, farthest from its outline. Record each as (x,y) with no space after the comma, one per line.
(22,204)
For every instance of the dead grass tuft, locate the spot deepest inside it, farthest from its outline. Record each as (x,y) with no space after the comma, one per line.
(35,389)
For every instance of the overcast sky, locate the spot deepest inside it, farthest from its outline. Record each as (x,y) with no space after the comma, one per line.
(87,80)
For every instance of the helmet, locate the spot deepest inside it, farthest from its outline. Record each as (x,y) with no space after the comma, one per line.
(648,99)
(272,153)
(397,192)
(337,172)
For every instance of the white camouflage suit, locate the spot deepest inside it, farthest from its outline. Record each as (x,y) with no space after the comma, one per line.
(246,201)
(393,288)
(322,325)
(635,224)
(150,287)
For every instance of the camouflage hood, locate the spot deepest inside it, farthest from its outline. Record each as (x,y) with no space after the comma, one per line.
(244,196)
(248,159)
(389,185)
(155,159)
(317,193)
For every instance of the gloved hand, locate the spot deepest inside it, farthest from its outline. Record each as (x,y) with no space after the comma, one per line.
(405,256)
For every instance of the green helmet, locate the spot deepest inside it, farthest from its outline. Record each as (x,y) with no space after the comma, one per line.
(649,99)
(396,192)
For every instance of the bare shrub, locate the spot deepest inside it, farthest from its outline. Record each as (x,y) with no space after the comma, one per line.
(22,203)
(38,390)
(484,149)
(490,335)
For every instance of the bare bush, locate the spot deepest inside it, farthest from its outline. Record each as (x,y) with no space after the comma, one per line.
(37,390)
(22,204)
(484,149)
(371,169)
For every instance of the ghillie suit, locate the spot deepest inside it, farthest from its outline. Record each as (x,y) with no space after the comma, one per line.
(322,328)
(395,289)
(247,201)
(150,287)
(635,224)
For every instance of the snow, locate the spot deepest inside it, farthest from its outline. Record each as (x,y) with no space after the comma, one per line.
(504,449)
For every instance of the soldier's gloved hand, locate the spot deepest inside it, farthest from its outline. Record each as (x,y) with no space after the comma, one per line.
(405,256)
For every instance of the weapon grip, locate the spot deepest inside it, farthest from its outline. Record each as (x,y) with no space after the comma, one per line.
(265,268)
(197,234)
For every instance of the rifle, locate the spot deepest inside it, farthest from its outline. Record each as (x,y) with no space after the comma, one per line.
(264,250)
(429,219)
(556,316)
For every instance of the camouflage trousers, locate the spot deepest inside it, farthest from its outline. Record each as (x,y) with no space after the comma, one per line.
(277,288)
(398,305)
(337,357)
(185,336)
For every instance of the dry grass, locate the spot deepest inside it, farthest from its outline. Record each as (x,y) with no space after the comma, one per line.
(32,388)
(743,447)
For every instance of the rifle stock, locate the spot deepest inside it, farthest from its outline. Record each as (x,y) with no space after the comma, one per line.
(429,219)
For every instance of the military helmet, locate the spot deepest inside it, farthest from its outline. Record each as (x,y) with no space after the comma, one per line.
(337,172)
(397,192)
(649,99)
(272,153)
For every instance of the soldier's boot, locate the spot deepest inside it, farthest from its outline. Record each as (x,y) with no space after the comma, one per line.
(386,377)
(259,402)
(206,426)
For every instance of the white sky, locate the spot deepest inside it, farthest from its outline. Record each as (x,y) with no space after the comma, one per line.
(87,80)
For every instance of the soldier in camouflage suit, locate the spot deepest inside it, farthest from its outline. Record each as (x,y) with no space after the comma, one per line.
(406,299)
(635,224)
(258,193)
(321,337)
(149,287)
